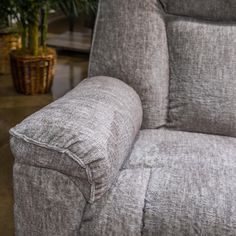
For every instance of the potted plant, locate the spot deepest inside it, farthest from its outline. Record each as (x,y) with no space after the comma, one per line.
(32,66)
(9,36)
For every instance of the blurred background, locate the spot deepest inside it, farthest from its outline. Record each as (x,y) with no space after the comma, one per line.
(44,53)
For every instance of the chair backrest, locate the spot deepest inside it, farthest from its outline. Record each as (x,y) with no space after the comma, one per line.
(179,55)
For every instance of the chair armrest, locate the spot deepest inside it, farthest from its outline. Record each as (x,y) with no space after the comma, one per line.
(86,135)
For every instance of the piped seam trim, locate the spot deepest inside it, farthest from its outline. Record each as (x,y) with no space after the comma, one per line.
(62,151)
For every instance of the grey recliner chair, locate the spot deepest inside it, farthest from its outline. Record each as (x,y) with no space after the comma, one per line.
(147,144)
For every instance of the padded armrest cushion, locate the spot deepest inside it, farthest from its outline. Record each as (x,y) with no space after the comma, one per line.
(87,134)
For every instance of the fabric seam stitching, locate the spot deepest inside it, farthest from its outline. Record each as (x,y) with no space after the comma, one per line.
(61,151)
(145,202)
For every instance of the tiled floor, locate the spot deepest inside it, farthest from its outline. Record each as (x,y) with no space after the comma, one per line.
(71,68)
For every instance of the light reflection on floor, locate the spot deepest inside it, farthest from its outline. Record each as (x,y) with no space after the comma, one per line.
(70,70)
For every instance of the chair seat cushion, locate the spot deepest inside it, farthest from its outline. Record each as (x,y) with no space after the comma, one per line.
(174,183)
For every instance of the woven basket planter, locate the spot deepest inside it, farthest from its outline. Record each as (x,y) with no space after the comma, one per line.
(8,42)
(33,74)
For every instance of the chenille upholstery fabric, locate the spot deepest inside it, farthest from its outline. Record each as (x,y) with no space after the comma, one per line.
(86,135)
(202,94)
(46,202)
(130,44)
(175,183)
(120,211)
(84,167)
(216,10)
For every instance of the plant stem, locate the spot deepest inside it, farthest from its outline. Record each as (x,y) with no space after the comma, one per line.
(24,37)
(33,36)
(44,14)
(71,24)
(33,39)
